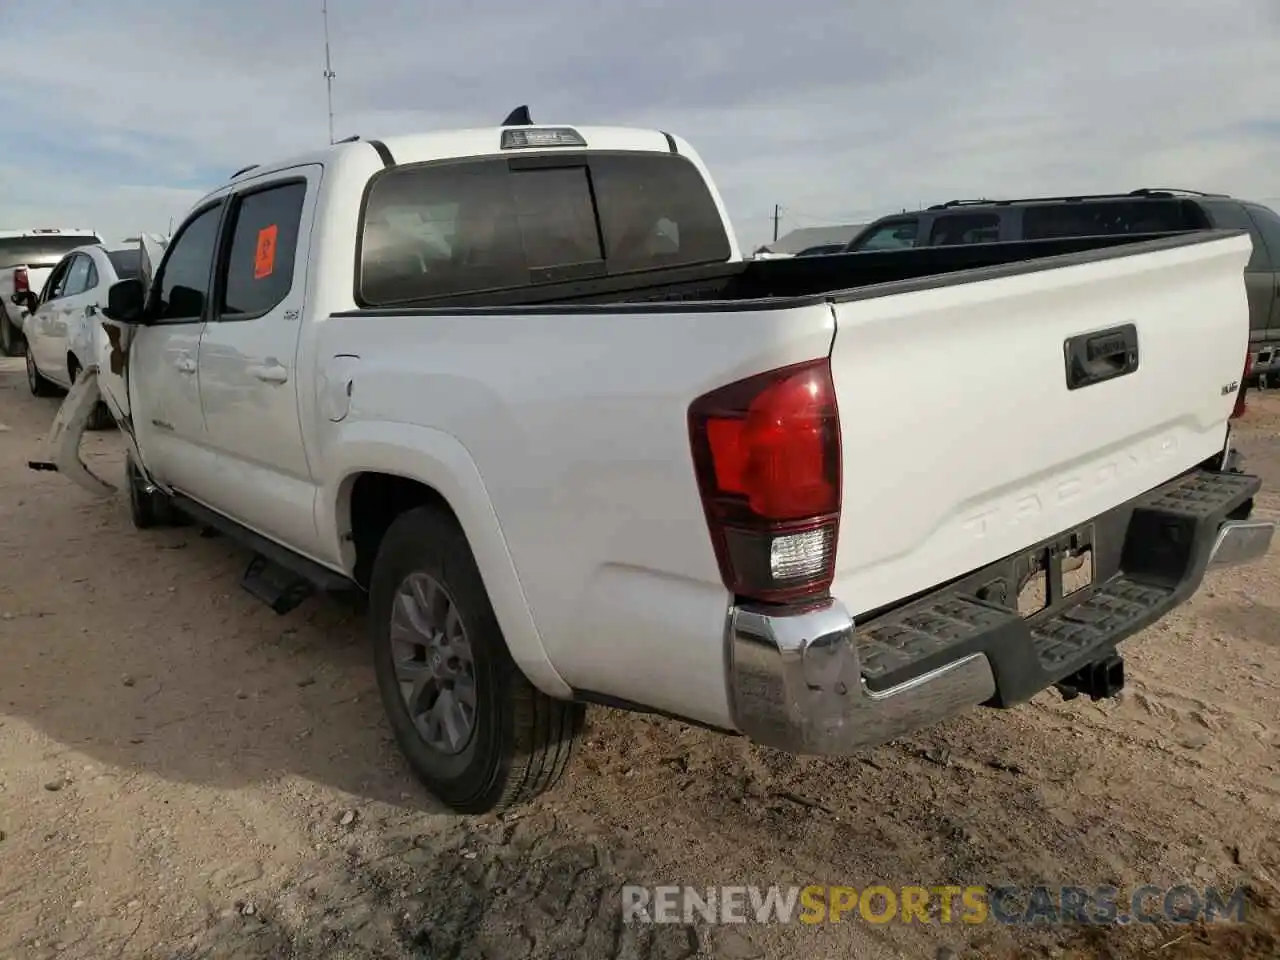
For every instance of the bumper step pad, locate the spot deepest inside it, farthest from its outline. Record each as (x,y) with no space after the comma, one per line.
(1159,548)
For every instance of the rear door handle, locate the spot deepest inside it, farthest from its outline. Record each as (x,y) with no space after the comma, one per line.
(271,372)
(185,364)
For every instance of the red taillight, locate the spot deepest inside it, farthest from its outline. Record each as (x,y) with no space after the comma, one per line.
(767,455)
(1242,404)
(20,282)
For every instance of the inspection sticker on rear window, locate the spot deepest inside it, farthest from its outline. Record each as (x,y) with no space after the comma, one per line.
(264,259)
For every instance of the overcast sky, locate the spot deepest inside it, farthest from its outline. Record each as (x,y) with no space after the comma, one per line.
(118,115)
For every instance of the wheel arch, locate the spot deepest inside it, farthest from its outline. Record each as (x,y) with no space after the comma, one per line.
(377,471)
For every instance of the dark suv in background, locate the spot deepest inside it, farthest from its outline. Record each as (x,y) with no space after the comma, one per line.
(1146,211)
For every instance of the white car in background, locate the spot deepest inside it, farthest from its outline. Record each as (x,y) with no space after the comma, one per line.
(63,322)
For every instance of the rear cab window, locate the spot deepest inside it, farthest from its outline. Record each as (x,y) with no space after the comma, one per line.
(1108,218)
(41,251)
(455,227)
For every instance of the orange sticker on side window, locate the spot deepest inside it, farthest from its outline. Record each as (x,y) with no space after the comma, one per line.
(264,259)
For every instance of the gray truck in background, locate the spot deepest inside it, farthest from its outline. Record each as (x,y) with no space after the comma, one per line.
(1148,211)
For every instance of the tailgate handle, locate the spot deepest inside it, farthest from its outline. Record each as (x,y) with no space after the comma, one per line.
(1101,355)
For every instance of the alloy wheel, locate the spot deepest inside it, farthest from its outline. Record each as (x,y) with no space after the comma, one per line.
(433,663)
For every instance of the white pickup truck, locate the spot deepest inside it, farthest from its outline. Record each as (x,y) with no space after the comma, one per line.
(27,257)
(518,385)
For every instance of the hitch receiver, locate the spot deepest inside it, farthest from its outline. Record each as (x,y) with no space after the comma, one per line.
(1098,680)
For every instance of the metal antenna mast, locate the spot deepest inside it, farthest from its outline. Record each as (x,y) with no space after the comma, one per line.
(328,66)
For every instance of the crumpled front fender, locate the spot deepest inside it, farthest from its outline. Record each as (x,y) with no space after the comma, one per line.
(61,448)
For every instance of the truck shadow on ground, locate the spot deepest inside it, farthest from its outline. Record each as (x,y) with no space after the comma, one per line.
(141,650)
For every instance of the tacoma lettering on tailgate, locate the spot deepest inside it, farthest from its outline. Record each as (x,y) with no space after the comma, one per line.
(1022,505)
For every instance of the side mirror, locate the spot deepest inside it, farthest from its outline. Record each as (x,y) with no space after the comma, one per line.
(126,302)
(25,299)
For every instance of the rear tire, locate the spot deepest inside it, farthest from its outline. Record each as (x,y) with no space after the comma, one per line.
(147,508)
(39,386)
(12,342)
(514,742)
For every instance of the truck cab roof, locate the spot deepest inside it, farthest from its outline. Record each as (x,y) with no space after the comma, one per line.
(483,141)
(501,208)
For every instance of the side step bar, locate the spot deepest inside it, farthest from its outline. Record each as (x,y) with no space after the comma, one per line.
(277,576)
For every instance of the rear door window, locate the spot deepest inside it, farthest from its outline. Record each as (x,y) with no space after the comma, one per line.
(891,235)
(264,245)
(953,228)
(1106,218)
(440,229)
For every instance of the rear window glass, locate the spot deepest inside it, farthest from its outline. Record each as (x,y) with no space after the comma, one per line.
(127,263)
(656,211)
(440,229)
(1043,222)
(40,251)
(894,235)
(956,228)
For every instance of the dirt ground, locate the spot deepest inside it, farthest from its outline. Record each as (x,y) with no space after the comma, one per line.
(183,774)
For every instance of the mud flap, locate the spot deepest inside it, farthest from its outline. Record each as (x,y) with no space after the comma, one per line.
(62,443)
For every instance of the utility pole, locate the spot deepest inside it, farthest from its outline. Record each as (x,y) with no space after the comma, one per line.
(328,66)
(777,212)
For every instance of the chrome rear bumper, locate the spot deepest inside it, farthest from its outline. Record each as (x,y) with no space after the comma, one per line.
(797,685)
(1241,541)
(796,677)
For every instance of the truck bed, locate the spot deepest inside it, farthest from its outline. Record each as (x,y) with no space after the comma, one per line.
(814,278)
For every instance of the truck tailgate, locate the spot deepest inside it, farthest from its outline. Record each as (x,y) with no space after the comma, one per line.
(981,417)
